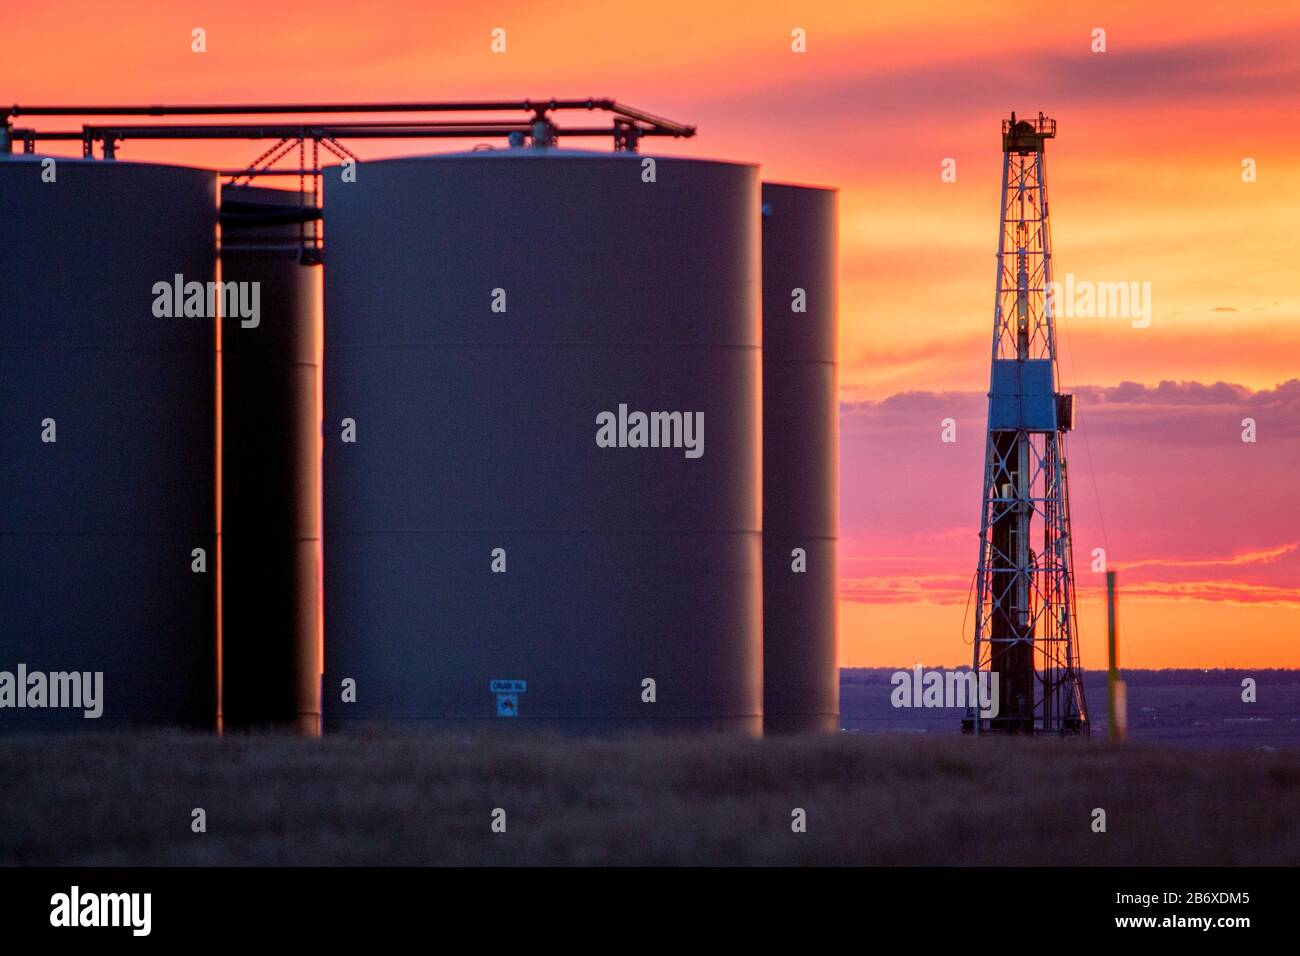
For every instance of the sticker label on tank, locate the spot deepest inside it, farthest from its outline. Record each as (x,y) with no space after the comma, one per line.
(508,686)
(507,705)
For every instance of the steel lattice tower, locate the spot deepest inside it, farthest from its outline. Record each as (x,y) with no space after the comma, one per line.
(1026,627)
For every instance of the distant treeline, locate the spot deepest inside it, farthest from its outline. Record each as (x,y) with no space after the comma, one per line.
(1179,677)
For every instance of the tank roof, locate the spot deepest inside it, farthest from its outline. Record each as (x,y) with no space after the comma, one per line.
(526,153)
(91,161)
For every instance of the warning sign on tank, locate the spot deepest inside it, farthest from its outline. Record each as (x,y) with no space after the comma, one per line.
(508,692)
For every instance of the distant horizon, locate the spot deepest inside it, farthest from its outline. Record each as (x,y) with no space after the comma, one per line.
(1124,671)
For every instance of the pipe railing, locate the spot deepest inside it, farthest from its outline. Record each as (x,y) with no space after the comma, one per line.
(628,124)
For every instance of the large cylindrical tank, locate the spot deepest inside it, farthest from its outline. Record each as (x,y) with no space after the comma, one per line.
(498,546)
(107,435)
(270,453)
(800,460)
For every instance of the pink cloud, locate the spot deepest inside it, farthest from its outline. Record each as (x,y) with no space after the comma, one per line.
(1161,479)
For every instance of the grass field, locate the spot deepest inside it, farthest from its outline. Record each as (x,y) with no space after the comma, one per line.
(649,800)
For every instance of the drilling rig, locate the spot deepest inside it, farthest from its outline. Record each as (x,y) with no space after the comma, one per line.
(1026,626)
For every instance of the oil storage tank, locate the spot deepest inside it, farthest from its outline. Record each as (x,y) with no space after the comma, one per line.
(270,461)
(542,495)
(107,434)
(800,459)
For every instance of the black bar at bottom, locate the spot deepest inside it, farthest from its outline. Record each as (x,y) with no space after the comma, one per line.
(530,906)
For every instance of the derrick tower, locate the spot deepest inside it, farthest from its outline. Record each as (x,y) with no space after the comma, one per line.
(1026,627)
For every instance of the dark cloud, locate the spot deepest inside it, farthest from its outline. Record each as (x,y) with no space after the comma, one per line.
(1231,67)
(1168,392)
(1131,415)
(1191,393)
(915,402)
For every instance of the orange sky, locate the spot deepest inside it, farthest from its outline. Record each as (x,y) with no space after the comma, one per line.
(1145,184)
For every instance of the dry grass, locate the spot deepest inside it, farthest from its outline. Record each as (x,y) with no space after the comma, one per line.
(409,799)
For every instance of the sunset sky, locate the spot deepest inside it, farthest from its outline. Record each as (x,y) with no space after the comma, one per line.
(1145,180)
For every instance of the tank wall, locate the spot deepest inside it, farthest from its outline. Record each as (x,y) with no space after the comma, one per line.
(800,460)
(477,430)
(270,474)
(99,525)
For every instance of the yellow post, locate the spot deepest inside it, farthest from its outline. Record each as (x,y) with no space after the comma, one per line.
(1117,698)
